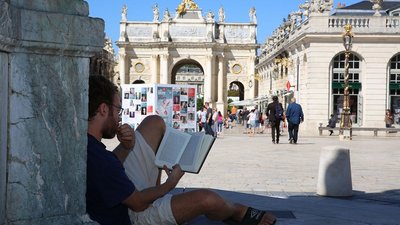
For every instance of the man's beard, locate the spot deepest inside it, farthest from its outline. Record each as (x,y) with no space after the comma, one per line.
(110,127)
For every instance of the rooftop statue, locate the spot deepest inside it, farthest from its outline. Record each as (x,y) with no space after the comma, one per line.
(123,12)
(315,5)
(306,9)
(210,17)
(252,15)
(167,16)
(221,15)
(377,6)
(156,13)
(325,5)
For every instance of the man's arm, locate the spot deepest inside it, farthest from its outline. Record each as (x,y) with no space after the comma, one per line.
(301,114)
(126,136)
(140,200)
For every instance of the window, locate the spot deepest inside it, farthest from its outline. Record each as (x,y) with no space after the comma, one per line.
(338,79)
(237,68)
(394,87)
(139,67)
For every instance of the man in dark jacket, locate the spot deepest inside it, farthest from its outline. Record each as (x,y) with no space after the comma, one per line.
(294,116)
(332,123)
(273,118)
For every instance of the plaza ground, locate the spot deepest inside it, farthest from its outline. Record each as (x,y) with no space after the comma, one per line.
(283,177)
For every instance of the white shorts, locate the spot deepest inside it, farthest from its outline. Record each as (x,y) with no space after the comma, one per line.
(141,170)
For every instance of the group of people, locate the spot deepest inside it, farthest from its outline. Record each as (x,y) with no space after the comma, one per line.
(124,185)
(211,120)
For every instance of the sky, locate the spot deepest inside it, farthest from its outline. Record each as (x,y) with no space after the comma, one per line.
(270,13)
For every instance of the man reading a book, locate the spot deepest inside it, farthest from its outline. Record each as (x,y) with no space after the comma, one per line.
(112,191)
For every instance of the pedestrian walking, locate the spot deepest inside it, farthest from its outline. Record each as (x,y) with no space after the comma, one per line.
(209,122)
(274,113)
(294,116)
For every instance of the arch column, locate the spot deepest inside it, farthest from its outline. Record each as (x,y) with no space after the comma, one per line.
(208,78)
(221,98)
(164,78)
(122,65)
(154,69)
(252,80)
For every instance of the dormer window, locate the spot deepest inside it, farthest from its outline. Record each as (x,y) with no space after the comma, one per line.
(395,12)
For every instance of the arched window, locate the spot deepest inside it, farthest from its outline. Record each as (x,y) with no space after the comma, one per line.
(138,82)
(394,87)
(189,72)
(338,77)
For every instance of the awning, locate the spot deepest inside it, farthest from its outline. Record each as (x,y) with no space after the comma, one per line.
(261,99)
(246,102)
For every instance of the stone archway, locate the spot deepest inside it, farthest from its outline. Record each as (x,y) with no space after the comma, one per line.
(236,89)
(190,72)
(138,82)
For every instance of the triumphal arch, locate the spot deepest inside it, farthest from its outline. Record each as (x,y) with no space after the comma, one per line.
(190,47)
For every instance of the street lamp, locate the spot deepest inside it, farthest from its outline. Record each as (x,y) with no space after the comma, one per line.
(345,122)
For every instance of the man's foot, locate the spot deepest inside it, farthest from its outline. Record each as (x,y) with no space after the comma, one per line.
(277,141)
(291,141)
(273,142)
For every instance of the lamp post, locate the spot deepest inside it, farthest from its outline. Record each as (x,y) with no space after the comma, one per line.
(345,122)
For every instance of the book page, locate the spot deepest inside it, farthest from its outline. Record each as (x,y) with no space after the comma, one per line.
(171,147)
(205,148)
(191,151)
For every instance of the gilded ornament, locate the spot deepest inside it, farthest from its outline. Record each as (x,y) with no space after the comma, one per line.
(186,4)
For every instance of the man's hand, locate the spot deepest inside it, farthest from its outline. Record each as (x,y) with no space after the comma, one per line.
(174,175)
(126,136)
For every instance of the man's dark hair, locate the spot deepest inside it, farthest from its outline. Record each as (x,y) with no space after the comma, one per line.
(275,98)
(101,90)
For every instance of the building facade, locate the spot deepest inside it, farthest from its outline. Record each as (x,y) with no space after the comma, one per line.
(104,63)
(305,58)
(190,48)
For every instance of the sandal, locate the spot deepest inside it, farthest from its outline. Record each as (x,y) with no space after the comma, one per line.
(253,217)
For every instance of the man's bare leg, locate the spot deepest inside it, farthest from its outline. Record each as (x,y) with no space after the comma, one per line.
(189,205)
(152,128)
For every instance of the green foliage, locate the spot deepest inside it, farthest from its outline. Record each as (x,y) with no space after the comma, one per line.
(200,103)
(233,93)
(229,106)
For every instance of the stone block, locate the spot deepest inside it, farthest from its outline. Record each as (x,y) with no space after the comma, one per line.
(73,7)
(334,175)
(3,131)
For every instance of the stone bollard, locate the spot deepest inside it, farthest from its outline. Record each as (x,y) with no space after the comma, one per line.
(334,175)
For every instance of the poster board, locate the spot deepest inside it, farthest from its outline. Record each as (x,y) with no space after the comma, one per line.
(176,104)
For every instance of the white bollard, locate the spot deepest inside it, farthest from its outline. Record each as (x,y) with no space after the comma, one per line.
(334,175)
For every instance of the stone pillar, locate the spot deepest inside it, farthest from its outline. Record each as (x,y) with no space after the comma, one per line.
(3,131)
(164,77)
(334,174)
(208,79)
(122,66)
(252,80)
(45,81)
(221,85)
(154,69)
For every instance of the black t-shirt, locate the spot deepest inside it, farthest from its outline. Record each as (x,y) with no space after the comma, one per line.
(209,115)
(107,186)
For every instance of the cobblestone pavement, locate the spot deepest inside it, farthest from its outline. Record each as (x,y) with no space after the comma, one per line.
(283,177)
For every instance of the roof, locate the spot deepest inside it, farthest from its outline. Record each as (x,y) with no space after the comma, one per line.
(365,7)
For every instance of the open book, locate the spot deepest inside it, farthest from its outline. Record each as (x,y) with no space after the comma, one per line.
(187,150)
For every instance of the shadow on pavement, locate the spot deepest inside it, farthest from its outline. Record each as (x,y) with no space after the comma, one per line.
(360,209)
